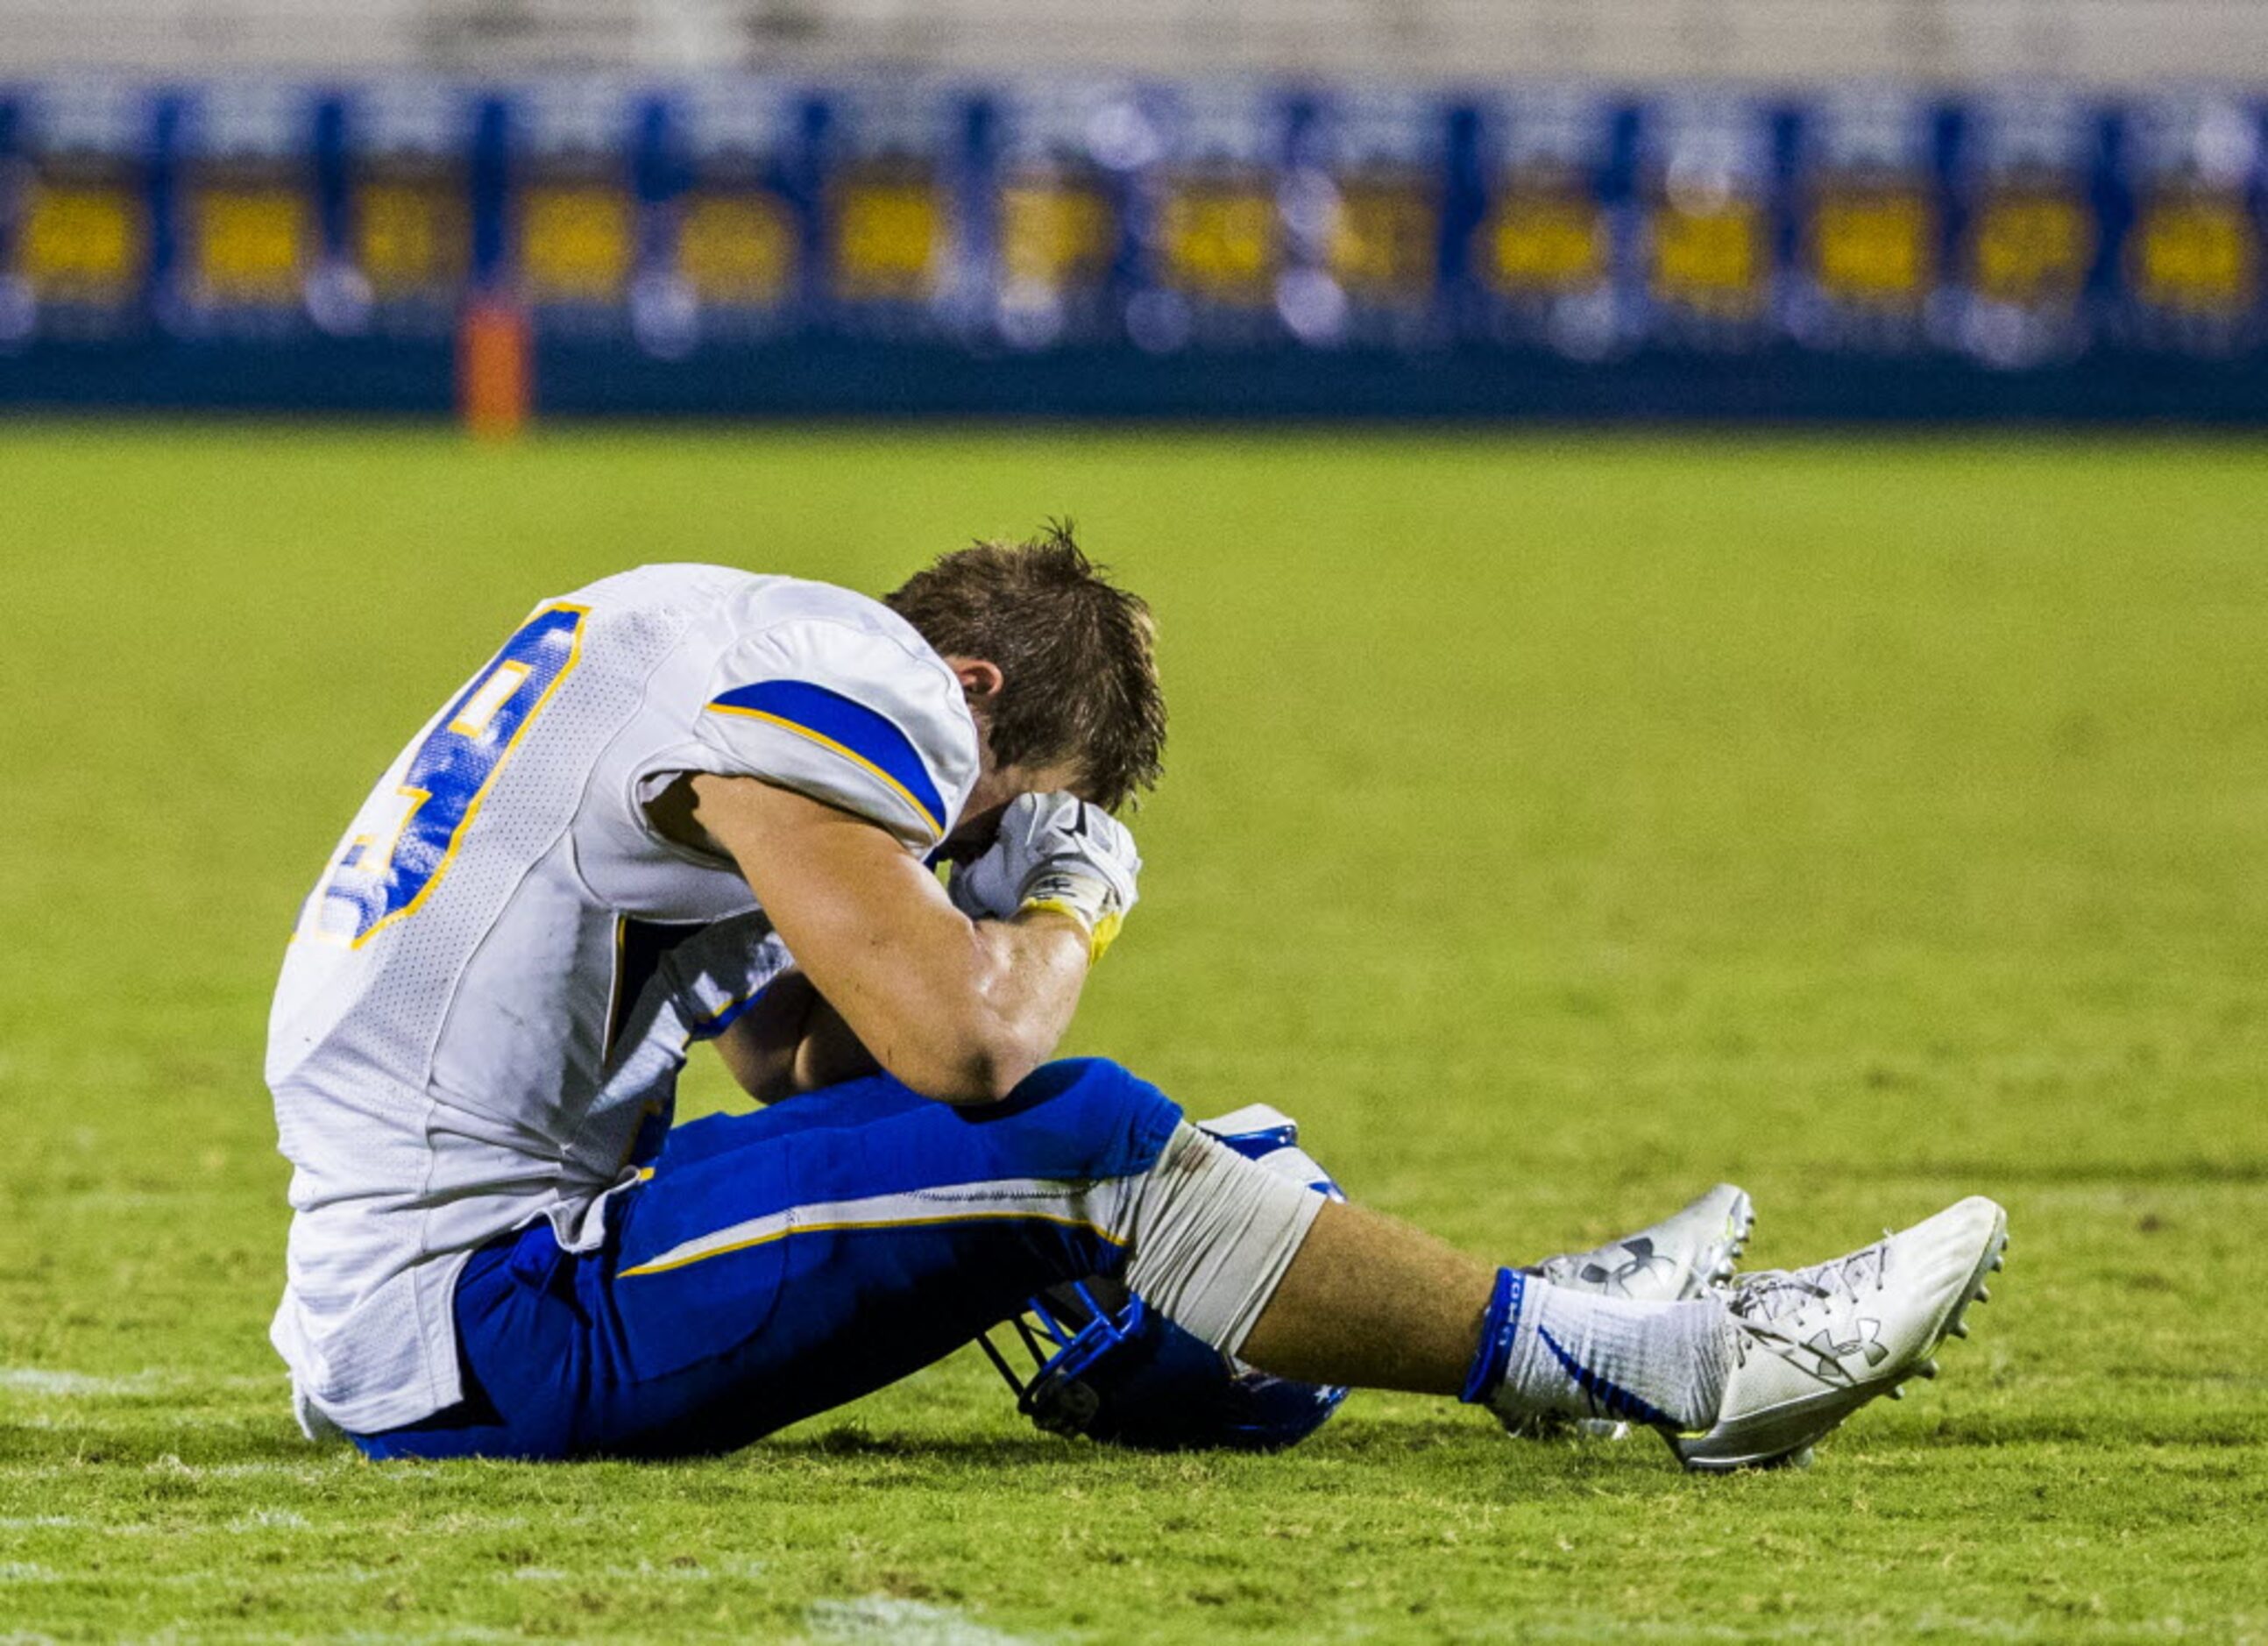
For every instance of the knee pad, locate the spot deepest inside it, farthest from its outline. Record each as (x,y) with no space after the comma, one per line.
(1079,1118)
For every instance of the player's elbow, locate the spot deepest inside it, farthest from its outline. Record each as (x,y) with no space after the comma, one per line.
(972,1035)
(980,1064)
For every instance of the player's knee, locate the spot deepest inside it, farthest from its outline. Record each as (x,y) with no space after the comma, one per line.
(1083,1118)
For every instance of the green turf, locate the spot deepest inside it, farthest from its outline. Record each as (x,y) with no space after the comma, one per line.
(1554,825)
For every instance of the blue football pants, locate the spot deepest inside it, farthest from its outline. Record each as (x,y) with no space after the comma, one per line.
(780,1262)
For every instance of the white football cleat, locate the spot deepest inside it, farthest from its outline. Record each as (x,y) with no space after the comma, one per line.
(1687,1254)
(1812,1346)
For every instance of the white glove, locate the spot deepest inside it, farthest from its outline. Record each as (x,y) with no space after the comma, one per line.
(1056,853)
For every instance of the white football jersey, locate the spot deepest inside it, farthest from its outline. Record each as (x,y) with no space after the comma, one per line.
(490,990)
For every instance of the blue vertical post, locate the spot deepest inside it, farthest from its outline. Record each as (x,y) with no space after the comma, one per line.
(655,179)
(160,163)
(1617,194)
(1132,193)
(331,183)
(974,292)
(1787,197)
(1952,129)
(8,121)
(1300,117)
(488,174)
(2256,201)
(1464,205)
(2110,206)
(805,166)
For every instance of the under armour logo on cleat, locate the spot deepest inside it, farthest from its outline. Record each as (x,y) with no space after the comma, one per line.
(1616,1280)
(1830,1353)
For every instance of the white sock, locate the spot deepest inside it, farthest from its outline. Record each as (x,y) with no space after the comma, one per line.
(1580,1355)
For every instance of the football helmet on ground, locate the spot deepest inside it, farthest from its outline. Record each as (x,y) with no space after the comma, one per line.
(1109,1367)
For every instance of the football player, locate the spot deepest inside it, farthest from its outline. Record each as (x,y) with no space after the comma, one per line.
(690,804)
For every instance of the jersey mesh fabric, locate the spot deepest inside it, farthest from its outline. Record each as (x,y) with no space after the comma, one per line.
(435,1085)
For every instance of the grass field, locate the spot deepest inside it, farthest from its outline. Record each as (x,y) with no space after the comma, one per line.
(1555,825)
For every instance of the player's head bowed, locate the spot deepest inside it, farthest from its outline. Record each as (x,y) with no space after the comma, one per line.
(1075,655)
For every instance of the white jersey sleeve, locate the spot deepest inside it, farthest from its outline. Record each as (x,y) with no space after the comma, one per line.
(834,696)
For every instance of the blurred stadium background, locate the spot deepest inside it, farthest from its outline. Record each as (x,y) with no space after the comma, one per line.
(1851,207)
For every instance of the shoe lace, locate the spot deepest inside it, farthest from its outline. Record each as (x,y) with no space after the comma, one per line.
(1769,1295)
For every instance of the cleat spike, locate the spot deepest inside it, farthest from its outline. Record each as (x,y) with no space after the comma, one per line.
(1928,1368)
(1960,1329)
(1999,1260)
(1896,1392)
(1984,1294)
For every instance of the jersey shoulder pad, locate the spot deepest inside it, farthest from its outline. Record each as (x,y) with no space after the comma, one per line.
(835,696)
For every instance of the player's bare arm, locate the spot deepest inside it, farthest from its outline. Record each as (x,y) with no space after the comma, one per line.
(959,1010)
(790,1040)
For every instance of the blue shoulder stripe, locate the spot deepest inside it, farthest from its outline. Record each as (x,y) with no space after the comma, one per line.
(849,728)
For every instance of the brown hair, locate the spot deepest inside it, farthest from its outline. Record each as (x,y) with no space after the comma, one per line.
(1078,678)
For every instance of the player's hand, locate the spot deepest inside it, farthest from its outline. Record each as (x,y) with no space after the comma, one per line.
(1055,852)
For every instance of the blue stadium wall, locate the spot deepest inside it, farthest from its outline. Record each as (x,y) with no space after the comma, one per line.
(746,246)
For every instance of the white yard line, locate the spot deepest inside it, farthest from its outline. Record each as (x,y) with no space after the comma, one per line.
(270,1520)
(879,1619)
(644,1571)
(48,1380)
(44,1380)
